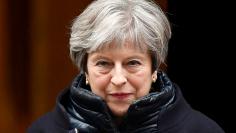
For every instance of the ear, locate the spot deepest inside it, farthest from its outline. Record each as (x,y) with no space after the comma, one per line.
(86,75)
(154,76)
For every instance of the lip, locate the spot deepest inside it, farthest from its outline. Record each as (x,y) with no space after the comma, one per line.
(120,95)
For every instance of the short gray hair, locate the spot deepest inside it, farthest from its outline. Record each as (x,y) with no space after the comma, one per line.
(104,21)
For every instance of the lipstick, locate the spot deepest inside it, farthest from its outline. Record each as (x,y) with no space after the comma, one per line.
(121,95)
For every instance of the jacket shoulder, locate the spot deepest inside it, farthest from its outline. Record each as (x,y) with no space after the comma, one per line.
(41,124)
(201,123)
(182,118)
(195,122)
(45,124)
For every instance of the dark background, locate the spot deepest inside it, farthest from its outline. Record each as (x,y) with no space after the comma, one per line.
(200,57)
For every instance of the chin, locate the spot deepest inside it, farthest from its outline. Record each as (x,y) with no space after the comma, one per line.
(119,113)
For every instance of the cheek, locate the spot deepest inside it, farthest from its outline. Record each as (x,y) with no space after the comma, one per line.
(98,84)
(142,83)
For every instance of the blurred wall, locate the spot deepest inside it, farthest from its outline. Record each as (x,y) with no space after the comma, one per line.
(34,57)
(6,107)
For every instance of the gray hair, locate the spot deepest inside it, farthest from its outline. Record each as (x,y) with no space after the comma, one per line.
(104,21)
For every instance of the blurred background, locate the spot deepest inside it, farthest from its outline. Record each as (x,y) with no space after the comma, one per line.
(35,64)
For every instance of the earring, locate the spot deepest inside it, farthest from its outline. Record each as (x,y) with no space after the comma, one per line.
(86,79)
(86,82)
(154,77)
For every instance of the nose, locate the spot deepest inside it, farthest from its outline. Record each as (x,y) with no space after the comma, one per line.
(118,76)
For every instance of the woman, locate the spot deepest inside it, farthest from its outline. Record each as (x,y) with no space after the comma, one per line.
(119,46)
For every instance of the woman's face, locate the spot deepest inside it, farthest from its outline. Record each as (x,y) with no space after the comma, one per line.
(119,75)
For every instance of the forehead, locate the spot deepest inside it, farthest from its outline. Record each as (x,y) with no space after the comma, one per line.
(115,52)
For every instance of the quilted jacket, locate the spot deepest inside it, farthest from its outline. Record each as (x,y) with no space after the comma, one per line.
(163,110)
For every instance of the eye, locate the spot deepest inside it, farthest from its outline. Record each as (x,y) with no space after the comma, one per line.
(134,63)
(103,63)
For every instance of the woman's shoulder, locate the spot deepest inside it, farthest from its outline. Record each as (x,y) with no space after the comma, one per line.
(194,122)
(182,118)
(198,121)
(48,123)
(41,124)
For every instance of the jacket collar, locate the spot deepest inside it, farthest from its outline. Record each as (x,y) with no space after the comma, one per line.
(169,104)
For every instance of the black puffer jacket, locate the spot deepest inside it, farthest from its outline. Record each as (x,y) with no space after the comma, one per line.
(164,110)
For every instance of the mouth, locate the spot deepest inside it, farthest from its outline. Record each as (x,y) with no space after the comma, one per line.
(121,96)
